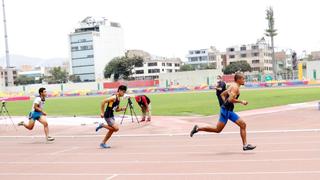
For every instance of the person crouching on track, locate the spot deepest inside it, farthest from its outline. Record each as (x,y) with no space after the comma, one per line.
(145,105)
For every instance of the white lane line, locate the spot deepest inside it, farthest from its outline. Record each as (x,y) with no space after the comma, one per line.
(171,134)
(161,174)
(159,162)
(111,177)
(174,152)
(63,151)
(146,146)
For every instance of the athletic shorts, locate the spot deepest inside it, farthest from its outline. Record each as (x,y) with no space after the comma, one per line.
(110,121)
(225,115)
(34,115)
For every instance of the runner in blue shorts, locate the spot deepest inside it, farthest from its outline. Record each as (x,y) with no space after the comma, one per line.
(112,105)
(37,114)
(229,96)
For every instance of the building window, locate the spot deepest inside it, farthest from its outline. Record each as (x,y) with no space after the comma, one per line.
(90,56)
(169,70)
(153,64)
(193,59)
(243,55)
(163,64)
(197,52)
(176,65)
(231,49)
(169,64)
(255,61)
(138,65)
(212,58)
(254,47)
(203,58)
(255,54)
(82,48)
(74,48)
(139,71)
(256,69)
(231,56)
(243,48)
(153,70)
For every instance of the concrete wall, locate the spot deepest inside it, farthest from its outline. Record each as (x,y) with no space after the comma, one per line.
(27,89)
(313,67)
(189,78)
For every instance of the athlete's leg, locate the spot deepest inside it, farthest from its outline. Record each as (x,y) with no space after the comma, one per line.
(30,125)
(43,121)
(243,130)
(217,129)
(112,129)
(149,113)
(144,111)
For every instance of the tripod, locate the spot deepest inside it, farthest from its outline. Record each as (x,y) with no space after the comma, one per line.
(129,104)
(4,113)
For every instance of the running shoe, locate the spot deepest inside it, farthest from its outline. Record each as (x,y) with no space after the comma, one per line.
(99,127)
(104,146)
(194,130)
(20,123)
(248,147)
(50,138)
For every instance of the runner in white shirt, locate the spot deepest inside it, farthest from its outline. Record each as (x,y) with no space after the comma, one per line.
(38,114)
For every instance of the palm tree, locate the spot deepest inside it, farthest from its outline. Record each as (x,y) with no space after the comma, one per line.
(271,32)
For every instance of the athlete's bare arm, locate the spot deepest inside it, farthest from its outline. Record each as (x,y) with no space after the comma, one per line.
(224,95)
(120,109)
(233,93)
(105,101)
(38,109)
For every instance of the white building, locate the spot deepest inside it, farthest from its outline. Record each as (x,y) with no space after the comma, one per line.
(36,73)
(202,58)
(258,55)
(5,74)
(153,65)
(284,60)
(92,46)
(313,70)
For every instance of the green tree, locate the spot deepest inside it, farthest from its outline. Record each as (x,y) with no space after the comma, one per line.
(271,32)
(122,67)
(58,75)
(208,66)
(187,67)
(242,66)
(74,78)
(24,80)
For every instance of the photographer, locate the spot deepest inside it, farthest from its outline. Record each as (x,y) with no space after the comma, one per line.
(145,104)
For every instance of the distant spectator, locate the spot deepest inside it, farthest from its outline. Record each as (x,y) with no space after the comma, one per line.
(220,87)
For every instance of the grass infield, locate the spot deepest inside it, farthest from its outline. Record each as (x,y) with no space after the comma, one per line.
(178,104)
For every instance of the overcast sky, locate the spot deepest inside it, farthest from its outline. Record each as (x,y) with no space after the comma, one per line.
(39,28)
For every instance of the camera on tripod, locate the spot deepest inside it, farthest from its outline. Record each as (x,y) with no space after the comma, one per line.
(132,112)
(129,101)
